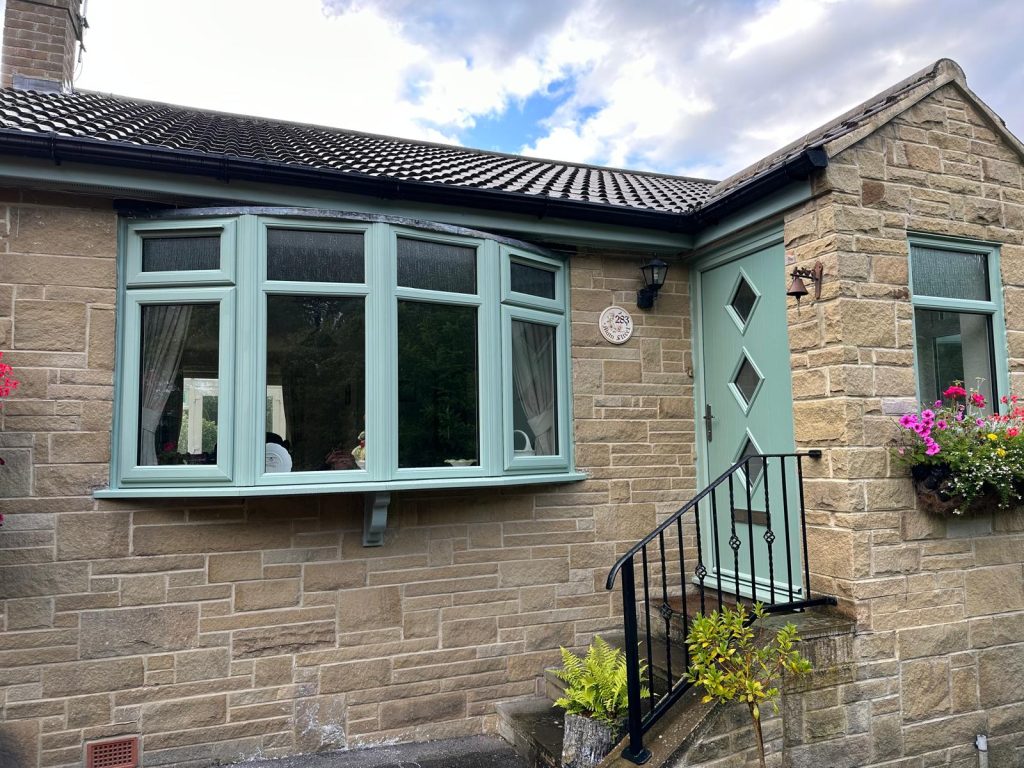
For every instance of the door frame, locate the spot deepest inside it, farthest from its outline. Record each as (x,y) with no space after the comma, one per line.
(764,237)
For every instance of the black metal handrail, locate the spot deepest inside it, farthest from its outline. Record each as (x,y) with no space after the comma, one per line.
(709,545)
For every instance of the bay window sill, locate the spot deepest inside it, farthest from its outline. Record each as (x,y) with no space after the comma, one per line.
(209,492)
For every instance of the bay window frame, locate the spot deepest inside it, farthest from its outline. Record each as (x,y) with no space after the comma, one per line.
(241,288)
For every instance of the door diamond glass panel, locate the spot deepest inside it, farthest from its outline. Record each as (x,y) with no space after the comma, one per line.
(746,381)
(756,465)
(743,299)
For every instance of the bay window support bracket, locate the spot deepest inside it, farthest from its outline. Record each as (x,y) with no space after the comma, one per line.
(375,517)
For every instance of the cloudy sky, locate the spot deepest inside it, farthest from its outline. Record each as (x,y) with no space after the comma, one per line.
(692,87)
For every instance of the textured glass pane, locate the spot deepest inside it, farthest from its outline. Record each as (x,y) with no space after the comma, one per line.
(315,257)
(953,347)
(316,383)
(534,390)
(437,386)
(950,274)
(173,254)
(756,466)
(436,266)
(533,280)
(746,381)
(743,300)
(179,384)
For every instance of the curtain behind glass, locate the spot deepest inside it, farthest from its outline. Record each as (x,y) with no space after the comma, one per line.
(533,375)
(164,333)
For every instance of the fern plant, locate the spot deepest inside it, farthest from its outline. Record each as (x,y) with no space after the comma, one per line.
(595,684)
(729,663)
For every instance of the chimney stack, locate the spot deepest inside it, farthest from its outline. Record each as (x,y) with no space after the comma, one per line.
(41,40)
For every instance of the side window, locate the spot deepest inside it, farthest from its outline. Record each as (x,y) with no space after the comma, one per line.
(959,332)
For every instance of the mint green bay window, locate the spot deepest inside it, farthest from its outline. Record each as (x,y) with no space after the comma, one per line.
(959,330)
(263,353)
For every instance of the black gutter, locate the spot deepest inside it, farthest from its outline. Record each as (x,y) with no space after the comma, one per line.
(797,168)
(226,168)
(58,148)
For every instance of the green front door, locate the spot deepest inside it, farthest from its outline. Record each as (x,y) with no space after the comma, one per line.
(747,410)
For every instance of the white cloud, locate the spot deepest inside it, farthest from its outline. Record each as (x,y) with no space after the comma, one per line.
(673,85)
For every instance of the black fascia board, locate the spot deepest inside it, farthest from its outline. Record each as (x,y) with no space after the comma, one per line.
(796,168)
(59,148)
(230,167)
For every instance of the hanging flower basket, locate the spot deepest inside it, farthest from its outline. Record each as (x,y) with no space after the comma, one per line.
(961,459)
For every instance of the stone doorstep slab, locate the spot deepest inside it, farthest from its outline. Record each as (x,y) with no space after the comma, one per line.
(471,752)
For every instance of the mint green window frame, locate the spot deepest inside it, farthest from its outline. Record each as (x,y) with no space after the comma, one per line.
(992,309)
(241,288)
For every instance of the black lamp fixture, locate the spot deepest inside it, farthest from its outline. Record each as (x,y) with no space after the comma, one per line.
(654,273)
(798,290)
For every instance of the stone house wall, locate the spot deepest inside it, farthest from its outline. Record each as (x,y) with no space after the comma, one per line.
(223,629)
(939,603)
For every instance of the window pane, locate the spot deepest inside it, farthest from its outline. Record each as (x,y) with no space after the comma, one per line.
(315,257)
(950,274)
(436,266)
(178,384)
(532,280)
(534,389)
(316,383)
(953,346)
(172,254)
(437,385)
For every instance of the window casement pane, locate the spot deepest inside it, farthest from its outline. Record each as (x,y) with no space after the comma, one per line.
(534,389)
(436,266)
(315,256)
(180,254)
(953,346)
(179,384)
(531,280)
(949,274)
(316,382)
(438,385)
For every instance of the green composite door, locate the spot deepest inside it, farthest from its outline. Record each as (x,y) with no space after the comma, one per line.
(747,411)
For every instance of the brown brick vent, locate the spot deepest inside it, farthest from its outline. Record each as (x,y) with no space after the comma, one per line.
(118,753)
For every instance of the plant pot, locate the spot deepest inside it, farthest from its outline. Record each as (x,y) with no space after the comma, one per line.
(933,482)
(586,742)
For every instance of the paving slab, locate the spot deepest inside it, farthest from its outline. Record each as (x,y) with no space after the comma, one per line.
(472,752)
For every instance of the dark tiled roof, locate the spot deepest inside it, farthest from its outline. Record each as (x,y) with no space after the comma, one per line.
(145,124)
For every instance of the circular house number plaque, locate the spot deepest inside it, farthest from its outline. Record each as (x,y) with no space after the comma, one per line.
(616,325)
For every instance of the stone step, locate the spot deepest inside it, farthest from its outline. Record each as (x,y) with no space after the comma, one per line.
(535,728)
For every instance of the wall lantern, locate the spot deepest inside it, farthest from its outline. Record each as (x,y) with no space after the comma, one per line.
(654,273)
(798,290)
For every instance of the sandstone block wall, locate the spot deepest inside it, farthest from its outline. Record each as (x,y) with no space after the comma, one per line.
(939,603)
(218,630)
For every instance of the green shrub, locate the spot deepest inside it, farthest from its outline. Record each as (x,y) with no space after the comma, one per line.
(595,684)
(729,663)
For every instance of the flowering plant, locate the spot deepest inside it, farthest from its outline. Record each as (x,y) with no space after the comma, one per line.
(7,385)
(962,452)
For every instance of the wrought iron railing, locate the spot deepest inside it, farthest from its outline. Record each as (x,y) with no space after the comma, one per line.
(703,557)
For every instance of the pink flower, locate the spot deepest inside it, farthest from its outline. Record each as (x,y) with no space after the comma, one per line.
(938,403)
(907,420)
(978,399)
(980,422)
(941,424)
(1012,432)
(927,415)
(954,391)
(932,449)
